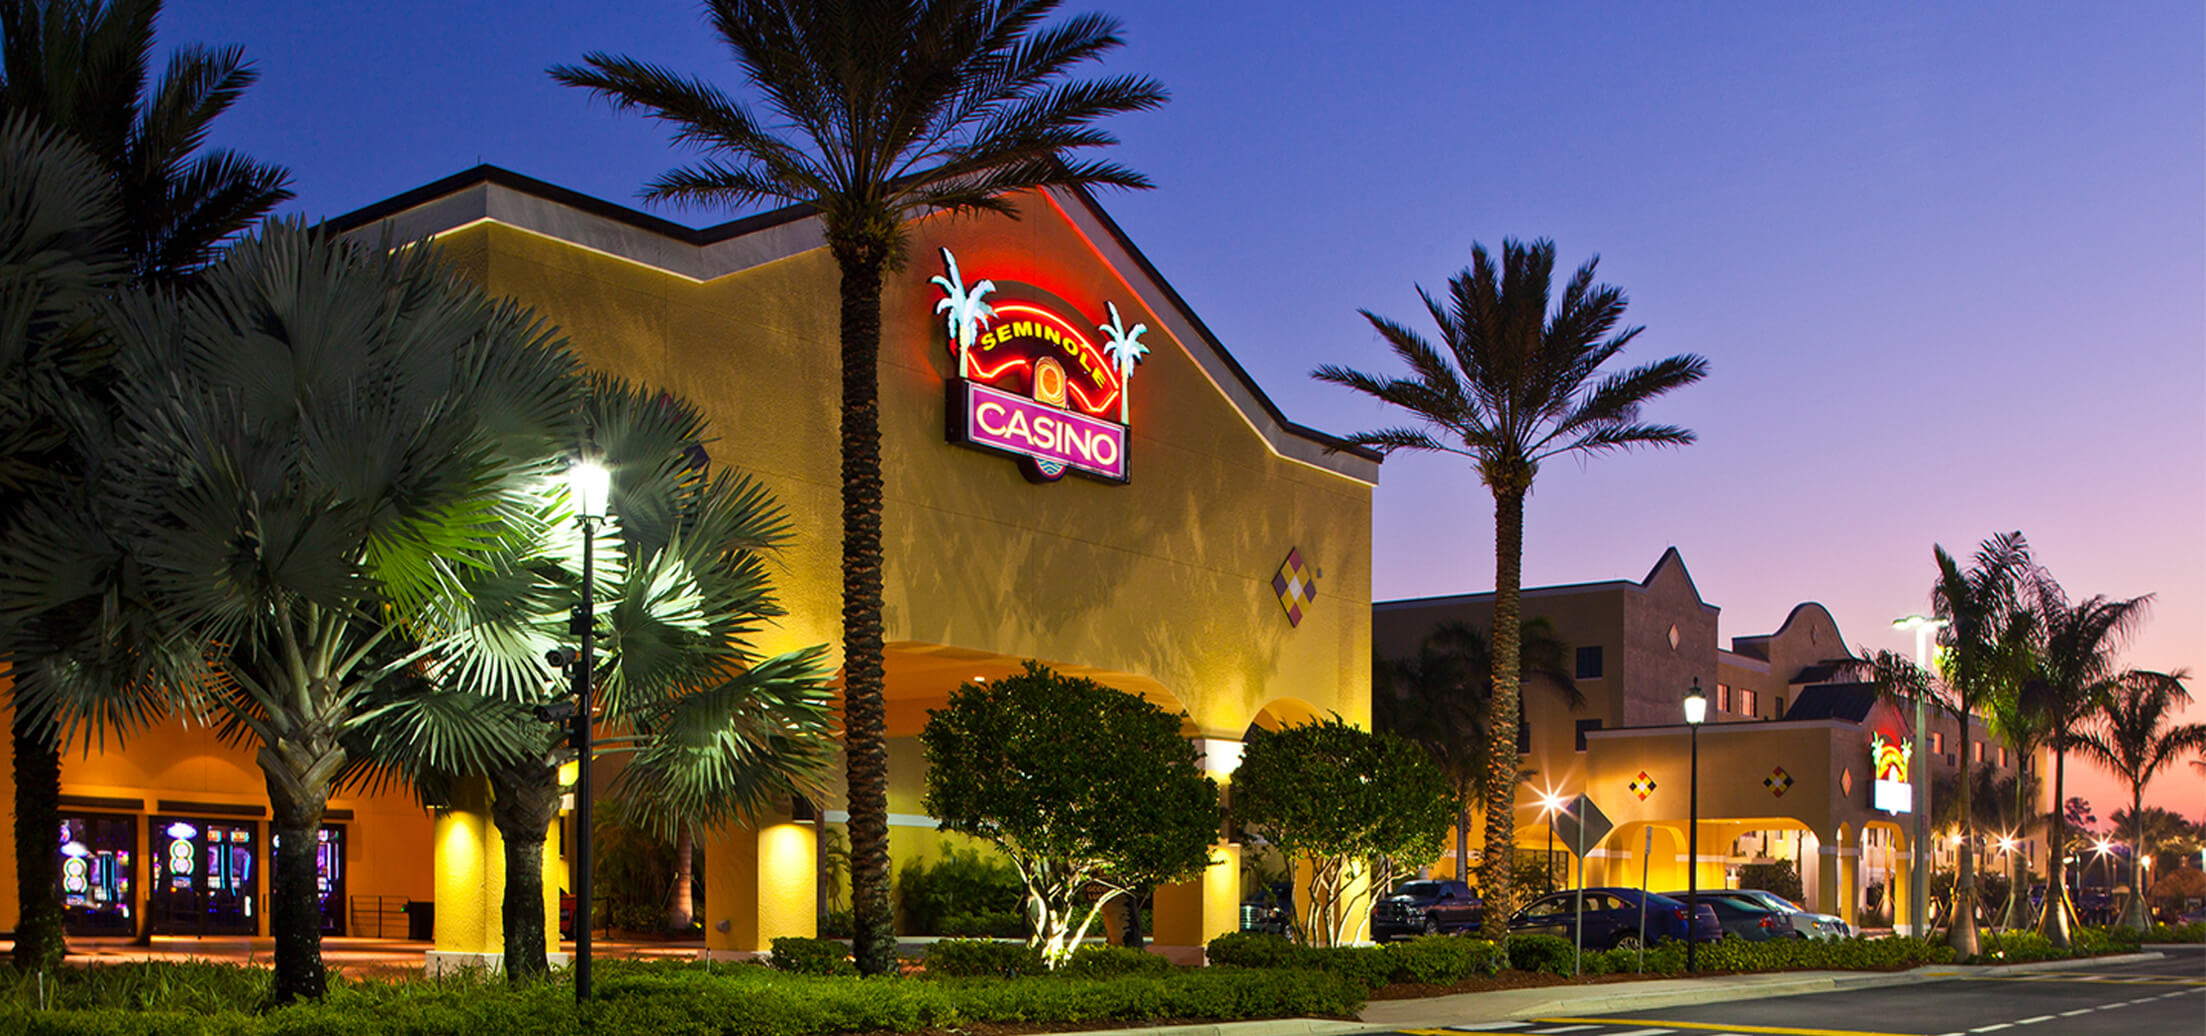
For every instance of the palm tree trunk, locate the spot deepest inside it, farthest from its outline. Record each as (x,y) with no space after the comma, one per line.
(1463,839)
(678,906)
(1500,840)
(1962,937)
(525,798)
(864,716)
(2053,922)
(2133,913)
(39,942)
(2018,887)
(297,801)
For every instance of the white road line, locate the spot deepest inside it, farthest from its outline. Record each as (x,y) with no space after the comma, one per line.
(2144,999)
(1993,1028)
(2034,1021)
(1643,1032)
(1488,1026)
(1560,1028)
(2077,1011)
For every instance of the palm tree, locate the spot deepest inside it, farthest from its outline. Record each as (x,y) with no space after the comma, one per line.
(277,529)
(1125,351)
(79,66)
(711,731)
(874,112)
(59,251)
(2134,734)
(2078,669)
(2024,732)
(1515,388)
(1985,651)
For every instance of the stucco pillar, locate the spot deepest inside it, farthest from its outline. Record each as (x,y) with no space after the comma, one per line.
(760,885)
(470,867)
(1901,894)
(1190,914)
(1831,887)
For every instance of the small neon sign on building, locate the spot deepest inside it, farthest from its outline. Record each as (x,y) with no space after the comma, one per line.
(1889,761)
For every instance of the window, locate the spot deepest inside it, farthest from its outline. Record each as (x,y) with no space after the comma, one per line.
(1779,711)
(1937,741)
(1583,726)
(1979,751)
(1747,703)
(1589,663)
(2003,755)
(1723,697)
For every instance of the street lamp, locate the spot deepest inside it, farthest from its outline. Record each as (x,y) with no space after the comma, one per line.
(589,486)
(1918,888)
(1550,804)
(1696,710)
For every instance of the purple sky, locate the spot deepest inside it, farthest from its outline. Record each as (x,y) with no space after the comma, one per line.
(1948,262)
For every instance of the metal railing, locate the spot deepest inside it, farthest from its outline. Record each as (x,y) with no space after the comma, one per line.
(377,917)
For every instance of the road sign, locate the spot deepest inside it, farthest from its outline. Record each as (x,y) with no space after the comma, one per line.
(1582,813)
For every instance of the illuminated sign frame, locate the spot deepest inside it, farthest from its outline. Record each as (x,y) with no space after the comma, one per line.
(1888,764)
(1032,384)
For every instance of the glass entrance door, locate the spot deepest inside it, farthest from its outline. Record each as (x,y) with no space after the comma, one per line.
(93,874)
(204,881)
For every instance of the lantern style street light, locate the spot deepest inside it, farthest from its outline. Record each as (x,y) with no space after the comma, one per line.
(1696,710)
(589,486)
(1918,885)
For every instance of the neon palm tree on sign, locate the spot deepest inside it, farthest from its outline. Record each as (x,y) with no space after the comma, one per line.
(1125,350)
(966,312)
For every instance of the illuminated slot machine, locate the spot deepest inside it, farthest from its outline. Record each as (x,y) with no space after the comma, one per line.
(204,875)
(93,874)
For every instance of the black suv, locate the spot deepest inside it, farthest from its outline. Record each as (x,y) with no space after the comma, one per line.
(1425,907)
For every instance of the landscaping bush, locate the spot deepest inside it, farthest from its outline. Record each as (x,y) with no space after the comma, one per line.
(2192,932)
(979,892)
(1432,959)
(1111,962)
(1442,960)
(1778,877)
(800,956)
(970,958)
(1253,950)
(1549,953)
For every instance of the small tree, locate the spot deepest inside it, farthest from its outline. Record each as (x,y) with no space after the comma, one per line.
(1352,806)
(1086,790)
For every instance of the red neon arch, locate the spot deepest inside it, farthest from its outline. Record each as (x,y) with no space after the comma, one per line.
(1094,404)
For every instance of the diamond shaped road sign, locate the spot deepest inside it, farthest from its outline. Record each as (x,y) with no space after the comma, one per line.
(1581,825)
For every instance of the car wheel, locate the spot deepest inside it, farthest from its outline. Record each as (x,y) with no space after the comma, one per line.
(1432,927)
(1625,942)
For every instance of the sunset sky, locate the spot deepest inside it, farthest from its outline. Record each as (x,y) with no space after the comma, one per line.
(1947,262)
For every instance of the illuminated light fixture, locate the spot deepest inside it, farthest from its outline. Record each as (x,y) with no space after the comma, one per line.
(589,486)
(182,830)
(1696,704)
(1551,803)
(2006,843)
(2105,847)
(1696,710)
(1219,755)
(75,851)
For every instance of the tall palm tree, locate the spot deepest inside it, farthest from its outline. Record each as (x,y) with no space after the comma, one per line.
(1443,698)
(873,112)
(277,527)
(2078,669)
(1515,387)
(59,252)
(79,66)
(2134,734)
(2024,731)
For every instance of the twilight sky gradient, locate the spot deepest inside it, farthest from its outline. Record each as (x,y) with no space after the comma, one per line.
(1948,265)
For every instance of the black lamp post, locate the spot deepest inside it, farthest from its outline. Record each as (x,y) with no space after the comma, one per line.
(1696,710)
(588,484)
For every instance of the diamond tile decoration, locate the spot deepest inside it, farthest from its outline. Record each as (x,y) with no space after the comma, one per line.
(1296,586)
(1642,786)
(1778,782)
(1846,781)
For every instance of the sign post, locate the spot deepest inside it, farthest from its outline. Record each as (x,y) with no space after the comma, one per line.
(1646,854)
(1582,825)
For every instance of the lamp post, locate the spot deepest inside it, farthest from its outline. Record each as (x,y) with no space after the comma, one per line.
(1549,804)
(1696,710)
(1918,887)
(588,486)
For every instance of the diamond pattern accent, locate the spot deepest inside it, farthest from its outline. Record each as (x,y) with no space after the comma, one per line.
(1642,785)
(1778,782)
(1846,781)
(1296,586)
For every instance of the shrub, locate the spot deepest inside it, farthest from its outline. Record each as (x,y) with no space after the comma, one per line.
(2192,932)
(800,956)
(1252,950)
(1111,962)
(961,884)
(1442,960)
(1778,877)
(969,958)
(1432,959)
(1549,953)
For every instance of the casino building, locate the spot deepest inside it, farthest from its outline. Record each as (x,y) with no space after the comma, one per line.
(1076,471)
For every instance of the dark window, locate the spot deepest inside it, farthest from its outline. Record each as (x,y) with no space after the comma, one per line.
(1589,663)
(1779,713)
(1524,737)
(1583,726)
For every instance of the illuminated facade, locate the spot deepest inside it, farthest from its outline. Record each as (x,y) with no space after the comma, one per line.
(1075,471)
(1794,758)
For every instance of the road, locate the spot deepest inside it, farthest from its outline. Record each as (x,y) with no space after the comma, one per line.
(2150,998)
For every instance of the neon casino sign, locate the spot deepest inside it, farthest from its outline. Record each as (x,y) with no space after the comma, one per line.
(1033,383)
(1889,761)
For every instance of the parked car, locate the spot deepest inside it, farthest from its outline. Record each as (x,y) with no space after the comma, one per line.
(1807,923)
(1750,921)
(1612,918)
(1269,910)
(1427,906)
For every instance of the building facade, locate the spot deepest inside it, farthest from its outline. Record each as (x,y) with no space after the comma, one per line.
(1792,751)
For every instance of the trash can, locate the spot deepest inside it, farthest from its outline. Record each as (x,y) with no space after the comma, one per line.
(421,920)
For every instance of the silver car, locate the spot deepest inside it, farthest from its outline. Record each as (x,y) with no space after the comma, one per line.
(1805,923)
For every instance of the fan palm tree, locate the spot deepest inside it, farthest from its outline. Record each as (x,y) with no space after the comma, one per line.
(318,435)
(1443,698)
(79,66)
(874,112)
(1515,387)
(59,252)
(2077,670)
(2133,733)
(710,729)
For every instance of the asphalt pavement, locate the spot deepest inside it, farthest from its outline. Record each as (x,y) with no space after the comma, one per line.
(2164,997)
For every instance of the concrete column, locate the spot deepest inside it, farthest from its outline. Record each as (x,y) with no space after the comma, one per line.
(1190,914)
(1901,893)
(760,884)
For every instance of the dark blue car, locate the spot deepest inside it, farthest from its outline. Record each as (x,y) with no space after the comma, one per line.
(1612,918)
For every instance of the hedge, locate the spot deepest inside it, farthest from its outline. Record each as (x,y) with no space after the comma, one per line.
(661,999)
(1431,959)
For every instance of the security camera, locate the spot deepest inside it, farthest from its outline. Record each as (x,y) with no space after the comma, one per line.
(560,657)
(555,712)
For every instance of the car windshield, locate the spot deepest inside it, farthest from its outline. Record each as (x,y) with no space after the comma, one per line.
(1423,889)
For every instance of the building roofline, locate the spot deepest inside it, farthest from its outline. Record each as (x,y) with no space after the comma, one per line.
(1641,585)
(469,197)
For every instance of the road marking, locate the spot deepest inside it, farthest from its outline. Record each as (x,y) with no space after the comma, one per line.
(2034,1021)
(1477,1027)
(2077,1011)
(1642,1032)
(1722,1030)
(1560,1028)
(1993,1028)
